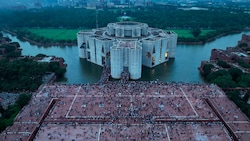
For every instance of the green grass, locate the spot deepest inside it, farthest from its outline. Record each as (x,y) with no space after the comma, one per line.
(205,31)
(187,33)
(55,34)
(70,34)
(5,122)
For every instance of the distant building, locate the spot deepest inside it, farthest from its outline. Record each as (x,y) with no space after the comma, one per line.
(127,45)
(51,59)
(72,3)
(231,54)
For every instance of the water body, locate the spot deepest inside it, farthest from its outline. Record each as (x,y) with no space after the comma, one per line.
(184,68)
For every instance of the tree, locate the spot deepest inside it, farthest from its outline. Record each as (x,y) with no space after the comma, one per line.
(10,113)
(235,73)
(233,95)
(20,75)
(41,55)
(223,64)
(54,67)
(225,82)
(2,125)
(8,47)
(243,63)
(196,32)
(23,100)
(1,108)
(207,69)
(214,75)
(244,80)
(246,96)
(243,45)
(60,72)
(16,44)
(14,54)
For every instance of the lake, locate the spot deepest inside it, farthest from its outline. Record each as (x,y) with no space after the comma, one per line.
(184,68)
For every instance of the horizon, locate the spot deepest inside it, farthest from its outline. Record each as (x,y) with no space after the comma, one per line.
(30,3)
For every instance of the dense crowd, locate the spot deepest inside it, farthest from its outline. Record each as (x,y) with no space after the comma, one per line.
(139,110)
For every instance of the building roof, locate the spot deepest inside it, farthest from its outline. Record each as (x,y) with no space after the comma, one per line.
(45,59)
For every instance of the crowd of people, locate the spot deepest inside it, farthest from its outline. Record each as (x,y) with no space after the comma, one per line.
(133,105)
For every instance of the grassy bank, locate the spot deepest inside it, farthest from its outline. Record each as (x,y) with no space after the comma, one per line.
(70,34)
(186,33)
(54,34)
(57,36)
(47,36)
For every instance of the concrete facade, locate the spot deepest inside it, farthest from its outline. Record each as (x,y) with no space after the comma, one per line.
(127,45)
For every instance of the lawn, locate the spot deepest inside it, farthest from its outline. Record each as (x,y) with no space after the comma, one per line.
(70,34)
(187,33)
(55,34)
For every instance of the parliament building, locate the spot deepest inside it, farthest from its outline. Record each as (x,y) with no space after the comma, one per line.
(127,45)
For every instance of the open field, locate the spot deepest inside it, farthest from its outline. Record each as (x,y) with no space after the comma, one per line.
(55,34)
(187,33)
(70,34)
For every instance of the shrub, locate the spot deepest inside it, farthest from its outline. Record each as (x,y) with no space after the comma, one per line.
(223,64)
(207,68)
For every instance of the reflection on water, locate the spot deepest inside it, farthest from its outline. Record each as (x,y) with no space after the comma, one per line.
(184,68)
(161,71)
(92,72)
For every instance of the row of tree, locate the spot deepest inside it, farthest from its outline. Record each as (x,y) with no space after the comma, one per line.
(166,17)
(209,36)
(19,74)
(10,50)
(23,33)
(10,113)
(215,18)
(56,17)
(22,74)
(25,74)
(241,102)
(230,77)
